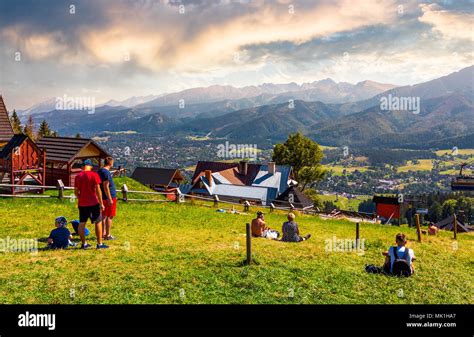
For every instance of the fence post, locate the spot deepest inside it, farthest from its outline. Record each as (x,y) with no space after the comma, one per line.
(455,228)
(60,187)
(249,244)
(418,230)
(177,196)
(124,192)
(216,200)
(357,236)
(272,207)
(246,206)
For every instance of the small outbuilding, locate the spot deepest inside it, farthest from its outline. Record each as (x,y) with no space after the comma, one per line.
(64,156)
(296,198)
(22,162)
(448,225)
(387,207)
(159,179)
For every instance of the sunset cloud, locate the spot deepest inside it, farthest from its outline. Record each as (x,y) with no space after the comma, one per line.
(140,47)
(450,25)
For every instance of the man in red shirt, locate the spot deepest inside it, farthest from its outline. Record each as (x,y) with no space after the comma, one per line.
(89,196)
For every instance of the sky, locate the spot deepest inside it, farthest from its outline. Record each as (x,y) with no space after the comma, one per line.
(115,49)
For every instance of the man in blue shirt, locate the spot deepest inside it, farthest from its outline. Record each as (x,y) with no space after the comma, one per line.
(59,237)
(109,195)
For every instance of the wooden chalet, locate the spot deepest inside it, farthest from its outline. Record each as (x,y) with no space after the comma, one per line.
(6,130)
(293,197)
(159,179)
(64,156)
(22,163)
(387,207)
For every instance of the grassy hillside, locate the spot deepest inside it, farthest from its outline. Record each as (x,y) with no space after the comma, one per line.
(179,253)
(343,202)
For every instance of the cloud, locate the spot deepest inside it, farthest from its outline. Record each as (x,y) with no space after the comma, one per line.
(452,25)
(130,47)
(203,38)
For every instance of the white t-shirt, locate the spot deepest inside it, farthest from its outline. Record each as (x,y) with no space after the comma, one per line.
(400,254)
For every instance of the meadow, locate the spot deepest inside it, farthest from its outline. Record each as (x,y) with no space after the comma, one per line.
(184,253)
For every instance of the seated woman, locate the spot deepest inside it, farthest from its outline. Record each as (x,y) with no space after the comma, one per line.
(291,232)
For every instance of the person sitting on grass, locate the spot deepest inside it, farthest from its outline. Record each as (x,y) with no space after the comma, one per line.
(75,226)
(291,232)
(260,229)
(59,238)
(399,259)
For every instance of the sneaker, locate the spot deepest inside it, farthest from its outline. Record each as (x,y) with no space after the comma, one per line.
(102,246)
(110,237)
(85,246)
(307,237)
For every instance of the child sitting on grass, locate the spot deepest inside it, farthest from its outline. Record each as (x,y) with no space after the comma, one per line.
(59,238)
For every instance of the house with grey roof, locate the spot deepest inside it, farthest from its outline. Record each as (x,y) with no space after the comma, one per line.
(242,181)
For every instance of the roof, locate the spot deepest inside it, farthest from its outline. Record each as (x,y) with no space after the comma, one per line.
(278,180)
(385,200)
(300,199)
(15,141)
(231,171)
(266,195)
(155,176)
(257,174)
(448,224)
(6,130)
(258,183)
(66,149)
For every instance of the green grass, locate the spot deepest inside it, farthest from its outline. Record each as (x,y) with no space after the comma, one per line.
(338,169)
(423,165)
(460,152)
(343,202)
(164,250)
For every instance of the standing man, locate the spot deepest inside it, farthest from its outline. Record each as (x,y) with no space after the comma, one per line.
(109,194)
(88,193)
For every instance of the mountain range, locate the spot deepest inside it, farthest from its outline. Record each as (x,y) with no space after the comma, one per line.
(329,112)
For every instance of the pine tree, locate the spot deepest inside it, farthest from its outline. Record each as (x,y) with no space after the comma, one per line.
(29,128)
(44,130)
(15,121)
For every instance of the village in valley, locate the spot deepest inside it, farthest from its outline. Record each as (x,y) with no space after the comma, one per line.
(349,182)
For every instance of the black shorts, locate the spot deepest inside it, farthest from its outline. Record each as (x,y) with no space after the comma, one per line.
(90,212)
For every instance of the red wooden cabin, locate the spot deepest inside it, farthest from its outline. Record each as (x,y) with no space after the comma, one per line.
(387,207)
(22,163)
(64,157)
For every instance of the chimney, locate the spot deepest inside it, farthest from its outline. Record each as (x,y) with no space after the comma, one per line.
(243,166)
(271,167)
(208,175)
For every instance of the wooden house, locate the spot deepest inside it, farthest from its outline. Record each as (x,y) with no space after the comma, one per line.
(64,156)
(258,184)
(159,179)
(6,130)
(22,162)
(387,207)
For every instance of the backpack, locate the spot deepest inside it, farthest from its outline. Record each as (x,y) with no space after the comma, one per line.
(400,265)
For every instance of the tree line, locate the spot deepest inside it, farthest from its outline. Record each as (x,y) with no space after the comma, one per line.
(29,129)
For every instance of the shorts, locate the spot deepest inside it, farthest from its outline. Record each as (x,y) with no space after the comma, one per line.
(90,212)
(110,210)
